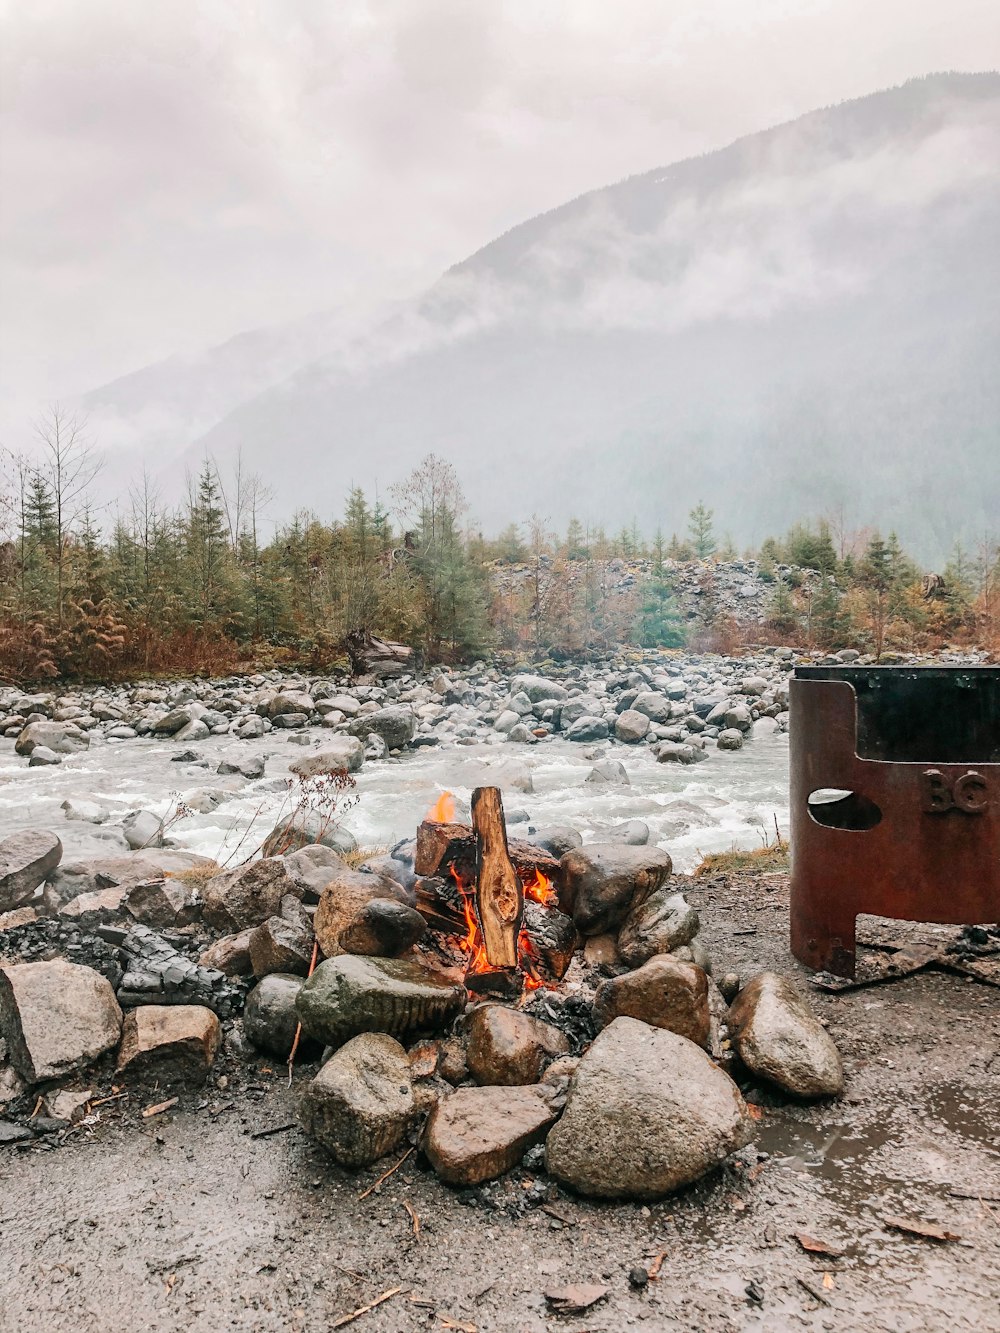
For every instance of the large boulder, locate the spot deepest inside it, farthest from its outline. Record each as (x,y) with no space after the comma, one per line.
(56,1017)
(287,705)
(780,1039)
(27,859)
(588,728)
(59,737)
(383,928)
(647,1113)
(665,921)
(631,726)
(161,903)
(246,896)
(665,993)
(341,917)
(142,829)
(340,754)
(312,868)
(361,1103)
(172,1043)
(537,688)
(476,1134)
(353,994)
(510,1048)
(654,706)
(397,726)
(305,828)
(602,882)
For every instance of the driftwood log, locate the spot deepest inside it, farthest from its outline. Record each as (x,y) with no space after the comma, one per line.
(499,896)
(371,656)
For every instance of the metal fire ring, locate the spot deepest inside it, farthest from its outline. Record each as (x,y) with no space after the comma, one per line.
(895,801)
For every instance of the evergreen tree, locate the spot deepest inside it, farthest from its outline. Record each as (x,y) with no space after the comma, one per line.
(700,530)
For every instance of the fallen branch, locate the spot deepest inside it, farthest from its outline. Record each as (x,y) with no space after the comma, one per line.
(385,1176)
(274,1129)
(363,1309)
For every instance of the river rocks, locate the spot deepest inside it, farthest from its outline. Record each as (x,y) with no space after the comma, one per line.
(250,767)
(510,1048)
(353,994)
(342,905)
(476,1134)
(647,1113)
(609,773)
(177,719)
(361,1103)
(280,945)
(779,1039)
(631,726)
(603,881)
(42,757)
(663,922)
(312,868)
(175,1043)
(161,903)
(269,1017)
(654,706)
(290,704)
(397,726)
(75,877)
(664,993)
(730,738)
(230,955)
(56,1017)
(341,754)
(304,828)
(27,859)
(588,728)
(247,895)
(59,737)
(557,840)
(142,829)
(383,928)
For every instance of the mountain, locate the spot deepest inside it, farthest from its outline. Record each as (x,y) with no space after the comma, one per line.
(805,322)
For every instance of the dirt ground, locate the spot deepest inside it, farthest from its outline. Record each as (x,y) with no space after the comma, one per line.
(186,1221)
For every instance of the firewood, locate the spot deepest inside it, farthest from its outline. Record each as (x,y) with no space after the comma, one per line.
(551,940)
(499,896)
(441,847)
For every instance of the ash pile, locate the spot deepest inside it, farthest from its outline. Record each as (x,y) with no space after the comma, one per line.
(483,1000)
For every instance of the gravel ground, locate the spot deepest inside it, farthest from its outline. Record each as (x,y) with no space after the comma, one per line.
(185,1221)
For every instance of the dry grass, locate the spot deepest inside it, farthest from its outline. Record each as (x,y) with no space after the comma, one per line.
(195,876)
(362,854)
(771,857)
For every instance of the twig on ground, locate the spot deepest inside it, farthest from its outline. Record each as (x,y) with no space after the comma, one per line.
(385,1175)
(363,1309)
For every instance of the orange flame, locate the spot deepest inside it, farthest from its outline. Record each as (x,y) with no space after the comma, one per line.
(541,890)
(442,811)
(472,941)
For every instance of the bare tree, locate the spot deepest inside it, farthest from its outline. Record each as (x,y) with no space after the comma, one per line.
(69,466)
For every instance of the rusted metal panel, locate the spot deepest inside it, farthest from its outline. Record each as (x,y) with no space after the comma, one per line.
(919,838)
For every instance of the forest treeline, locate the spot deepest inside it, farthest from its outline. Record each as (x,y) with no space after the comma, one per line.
(210,587)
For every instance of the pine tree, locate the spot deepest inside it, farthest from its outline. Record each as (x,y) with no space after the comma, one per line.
(700,529)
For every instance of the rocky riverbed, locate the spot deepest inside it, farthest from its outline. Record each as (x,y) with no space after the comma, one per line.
(141,979)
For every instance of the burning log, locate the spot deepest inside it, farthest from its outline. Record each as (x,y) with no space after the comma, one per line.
(548,942)
(443,847)
(499,895)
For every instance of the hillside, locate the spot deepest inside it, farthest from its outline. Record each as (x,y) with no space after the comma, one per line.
(802,322)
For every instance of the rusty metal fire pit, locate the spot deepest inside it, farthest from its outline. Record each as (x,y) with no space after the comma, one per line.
(895,801)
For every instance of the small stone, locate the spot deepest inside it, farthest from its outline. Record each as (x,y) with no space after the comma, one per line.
(246,896)
(68,1105)
(662,923)
(269,1017)
(352,994)
(510,1048)
(729,986)
(361,1103)
(477,1134)
(230,955)
(779,1038)
(638,1277)
(171,1042)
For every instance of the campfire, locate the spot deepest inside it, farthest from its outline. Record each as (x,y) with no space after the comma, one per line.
(496,901)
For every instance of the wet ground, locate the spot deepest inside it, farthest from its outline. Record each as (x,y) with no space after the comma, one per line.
(186,1221)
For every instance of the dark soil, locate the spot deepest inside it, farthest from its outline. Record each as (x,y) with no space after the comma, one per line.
(186,1221)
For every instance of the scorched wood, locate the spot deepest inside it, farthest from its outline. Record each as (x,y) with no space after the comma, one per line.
(499,896)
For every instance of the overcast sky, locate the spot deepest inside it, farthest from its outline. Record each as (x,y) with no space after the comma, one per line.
(173,173)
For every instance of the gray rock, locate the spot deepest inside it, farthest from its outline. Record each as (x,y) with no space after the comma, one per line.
(739,717)
(302,828)
(730,738)
(779,1039)
(163,903)
(280,945)
(27,859)
(196,730)
(56,1017)
(631,726)
(361,1103)
(247,895)
(142,829)
(557,839)
(538,688)
(338,754)
(654,706)
(352,994)
(609,773)
(602,882)
(397,726)
(269,1018)
(588,728)
(663,922)
(647,1113)
(250,767)
(59,737)
(43,757)
(634,832)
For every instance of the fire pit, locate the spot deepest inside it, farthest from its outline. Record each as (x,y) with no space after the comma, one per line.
(895,801)
(495,899)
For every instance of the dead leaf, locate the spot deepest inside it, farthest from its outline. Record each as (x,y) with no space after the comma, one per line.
(925,1230)
(756,1112)
(159,1108)
(575,1298)
(656,1265)
(828,1282)
(814,1246)
(414,1216)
